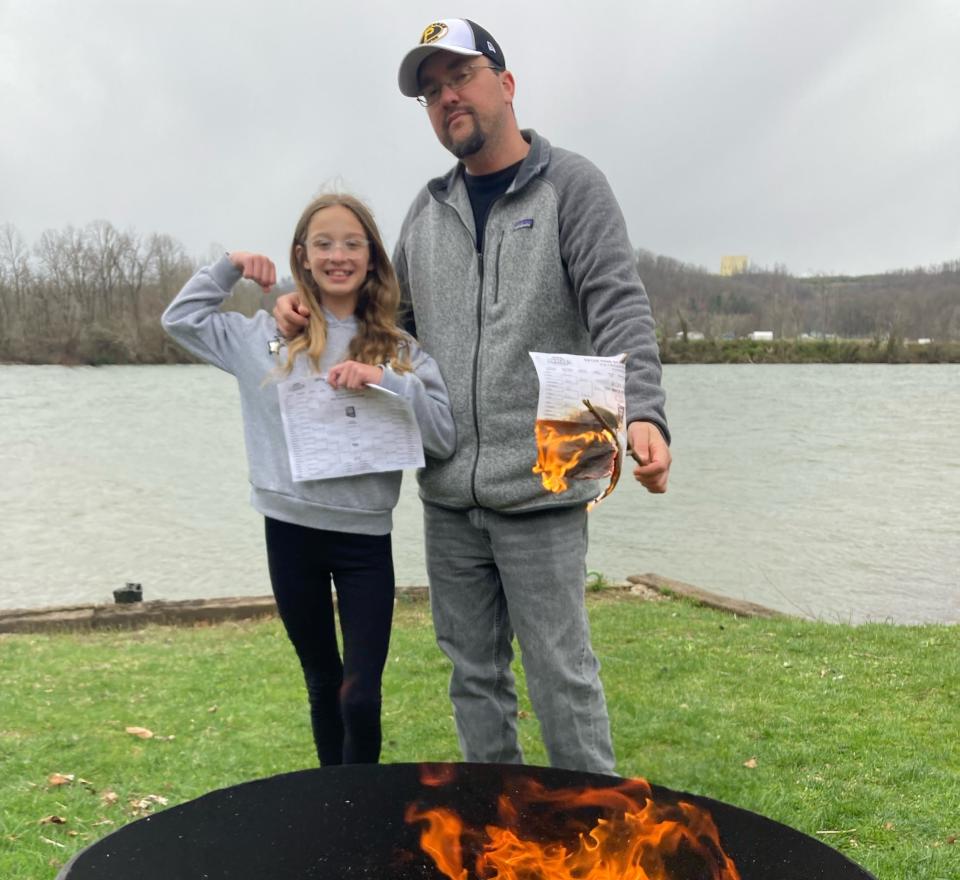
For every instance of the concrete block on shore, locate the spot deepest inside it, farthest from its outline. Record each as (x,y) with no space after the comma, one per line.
(670,587)
(133,616)
(199,612)
(186,612)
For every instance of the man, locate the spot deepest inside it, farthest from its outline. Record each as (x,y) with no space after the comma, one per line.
(521,247)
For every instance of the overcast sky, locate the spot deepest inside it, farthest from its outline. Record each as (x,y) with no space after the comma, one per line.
(824,136)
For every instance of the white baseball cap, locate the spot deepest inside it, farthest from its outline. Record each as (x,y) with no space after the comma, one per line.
(458,35)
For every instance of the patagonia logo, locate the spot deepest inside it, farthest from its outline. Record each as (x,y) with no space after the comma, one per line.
(526,223)
(433,32)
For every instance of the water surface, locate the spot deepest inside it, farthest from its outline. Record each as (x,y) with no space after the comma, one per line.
(823,490)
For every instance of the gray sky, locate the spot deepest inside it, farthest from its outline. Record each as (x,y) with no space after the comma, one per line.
(820,135)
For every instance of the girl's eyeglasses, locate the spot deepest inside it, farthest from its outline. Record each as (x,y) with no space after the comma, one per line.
(350,246)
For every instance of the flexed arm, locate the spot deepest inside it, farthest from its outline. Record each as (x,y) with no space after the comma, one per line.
(194,318)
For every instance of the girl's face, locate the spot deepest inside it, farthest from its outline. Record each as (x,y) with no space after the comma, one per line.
(337,255)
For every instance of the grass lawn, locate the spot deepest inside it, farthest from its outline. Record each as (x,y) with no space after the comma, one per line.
(850,734)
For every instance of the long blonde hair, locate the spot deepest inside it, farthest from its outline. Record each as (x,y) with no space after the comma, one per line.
(378,339)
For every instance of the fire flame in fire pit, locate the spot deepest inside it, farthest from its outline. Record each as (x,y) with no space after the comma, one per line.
(562,838)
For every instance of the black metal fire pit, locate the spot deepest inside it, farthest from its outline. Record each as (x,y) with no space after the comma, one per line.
(351,822)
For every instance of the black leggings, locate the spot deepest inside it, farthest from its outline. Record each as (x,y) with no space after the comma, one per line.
(344,696)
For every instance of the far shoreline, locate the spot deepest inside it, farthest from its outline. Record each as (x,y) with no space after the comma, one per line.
(677,351)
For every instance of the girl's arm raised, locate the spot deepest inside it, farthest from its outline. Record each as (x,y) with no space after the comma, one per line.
(194,320)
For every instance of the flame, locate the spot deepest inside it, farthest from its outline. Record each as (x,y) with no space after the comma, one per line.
(441,839)
(636,838)
(561,450)
(436,775)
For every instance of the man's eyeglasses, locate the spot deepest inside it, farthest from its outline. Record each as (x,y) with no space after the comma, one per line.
(431,94)
(350,246)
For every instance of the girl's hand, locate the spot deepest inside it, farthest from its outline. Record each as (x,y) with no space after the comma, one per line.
(354,375)
(256,267)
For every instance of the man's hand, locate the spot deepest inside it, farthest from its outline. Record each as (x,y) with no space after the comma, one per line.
(354,375)
(256,267)
(647,443)
(291,314)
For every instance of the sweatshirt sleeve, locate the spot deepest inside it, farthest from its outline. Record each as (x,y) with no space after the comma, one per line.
(427,393)
(407,319)
(194,320)
(603,269)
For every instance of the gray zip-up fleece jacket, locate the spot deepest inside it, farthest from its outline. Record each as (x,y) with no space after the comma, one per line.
(558,275)
(240,346)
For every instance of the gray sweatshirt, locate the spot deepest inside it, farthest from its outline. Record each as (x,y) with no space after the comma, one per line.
(558,274)
(241,346)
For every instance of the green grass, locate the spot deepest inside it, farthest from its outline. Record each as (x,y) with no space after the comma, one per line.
(854,731)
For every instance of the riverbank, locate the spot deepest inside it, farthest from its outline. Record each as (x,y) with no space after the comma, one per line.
(813,351)
(846,733)
(206,612)
(672,351)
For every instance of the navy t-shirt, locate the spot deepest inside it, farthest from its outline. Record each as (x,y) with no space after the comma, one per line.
(483,190)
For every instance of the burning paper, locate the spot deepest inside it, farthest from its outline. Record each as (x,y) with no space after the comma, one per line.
(580,415)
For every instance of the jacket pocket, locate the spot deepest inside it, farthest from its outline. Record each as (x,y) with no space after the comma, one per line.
(496,274)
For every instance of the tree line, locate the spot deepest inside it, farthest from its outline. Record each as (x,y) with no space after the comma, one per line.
(905,304)
(94,295)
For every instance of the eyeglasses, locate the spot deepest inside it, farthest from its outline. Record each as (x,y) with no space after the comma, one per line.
(431,94)
(350,246)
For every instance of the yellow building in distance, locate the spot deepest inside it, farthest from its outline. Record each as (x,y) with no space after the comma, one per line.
(733,265)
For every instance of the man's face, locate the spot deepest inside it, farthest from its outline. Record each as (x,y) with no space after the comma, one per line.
(464,120)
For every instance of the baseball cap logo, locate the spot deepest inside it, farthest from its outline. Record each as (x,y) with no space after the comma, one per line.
(433,32)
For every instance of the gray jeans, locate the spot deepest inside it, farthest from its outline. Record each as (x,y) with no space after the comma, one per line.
(492,575)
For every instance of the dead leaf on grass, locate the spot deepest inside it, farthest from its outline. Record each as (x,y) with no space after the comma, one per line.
(751,763)
(142,732)
(53,820)
(109,797)
(60,778)
(146,804)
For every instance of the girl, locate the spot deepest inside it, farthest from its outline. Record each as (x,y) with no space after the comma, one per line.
(337,527)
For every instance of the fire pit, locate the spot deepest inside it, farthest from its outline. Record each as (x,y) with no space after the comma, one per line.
(376,821)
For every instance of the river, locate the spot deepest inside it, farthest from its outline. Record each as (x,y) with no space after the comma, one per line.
(827,491)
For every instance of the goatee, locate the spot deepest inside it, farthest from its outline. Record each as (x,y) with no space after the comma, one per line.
(470,146)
